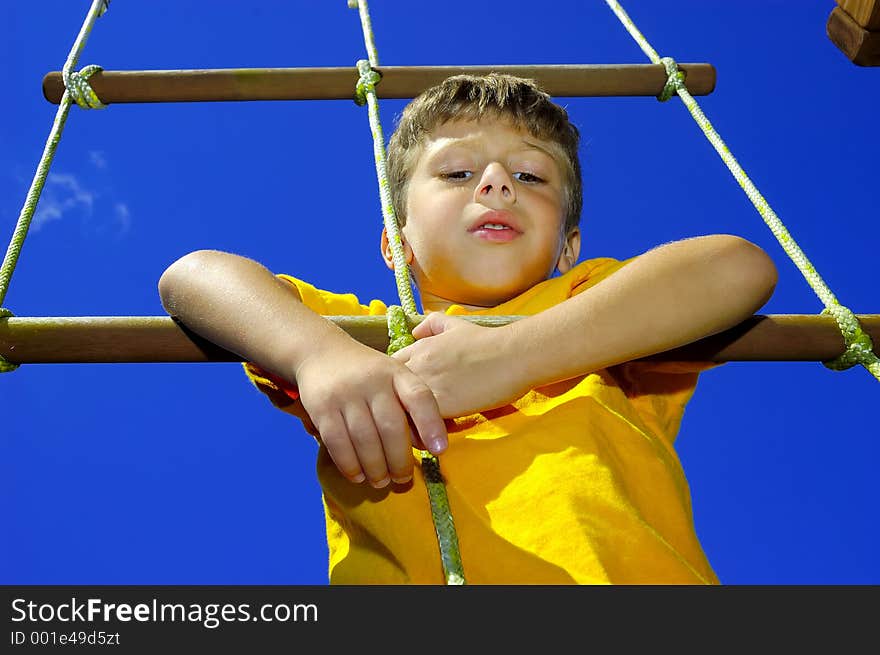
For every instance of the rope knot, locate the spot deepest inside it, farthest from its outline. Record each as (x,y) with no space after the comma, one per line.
(367,82)
(78,87)
(5,365)
(399,334)
(859,347)
(674,79)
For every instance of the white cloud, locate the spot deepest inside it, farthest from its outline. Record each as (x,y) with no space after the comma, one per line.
(97,158)
(97,213)
(62,194)
(123,217)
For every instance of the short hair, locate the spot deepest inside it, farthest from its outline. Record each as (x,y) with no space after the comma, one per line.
(473,97)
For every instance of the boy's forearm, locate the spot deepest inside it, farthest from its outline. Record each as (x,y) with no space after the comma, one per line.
(666,298)
(241,306)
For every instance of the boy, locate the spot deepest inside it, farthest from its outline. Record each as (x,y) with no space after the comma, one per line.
(557,450)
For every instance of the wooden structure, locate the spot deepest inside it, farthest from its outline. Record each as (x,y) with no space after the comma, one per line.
(854,27)
(117,339)
(567,80)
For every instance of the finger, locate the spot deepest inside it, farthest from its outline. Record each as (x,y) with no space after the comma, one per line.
(403,355)
(334,436)
(366,443)
(419,402)
(431,326)
(417,442)
(391,422)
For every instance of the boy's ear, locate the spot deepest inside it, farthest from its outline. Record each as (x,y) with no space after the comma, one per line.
(571,249)
(386,250)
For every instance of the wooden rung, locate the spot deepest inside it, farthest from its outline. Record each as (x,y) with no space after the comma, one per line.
(859,45)
(397,82)
(117,339)
(865,12)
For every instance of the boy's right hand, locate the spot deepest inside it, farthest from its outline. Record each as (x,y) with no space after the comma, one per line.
(359,400)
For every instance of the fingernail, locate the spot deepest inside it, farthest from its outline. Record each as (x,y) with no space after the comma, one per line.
(384,482)
(402,480)
(360,477)
(438,445)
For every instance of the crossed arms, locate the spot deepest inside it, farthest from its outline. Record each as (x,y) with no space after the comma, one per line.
(370,409)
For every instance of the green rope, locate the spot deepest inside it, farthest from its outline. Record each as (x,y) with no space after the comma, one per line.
(77,90)
(76,84)
(399,316)
(859,348)
(441,513)
(366,82)
(400,336)
(5,365)
(367,29)
(366,88)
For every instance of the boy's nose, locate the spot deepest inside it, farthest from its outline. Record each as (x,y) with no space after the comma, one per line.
(496,183)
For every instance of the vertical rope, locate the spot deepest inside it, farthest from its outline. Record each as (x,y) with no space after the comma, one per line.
(367,29)
(400,336)
(366,93)
(76,86)
(398,328)
(859,348)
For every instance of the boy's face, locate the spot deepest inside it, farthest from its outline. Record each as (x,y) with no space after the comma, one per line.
(484,215)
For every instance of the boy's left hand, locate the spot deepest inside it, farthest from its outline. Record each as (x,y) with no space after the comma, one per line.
(468,367)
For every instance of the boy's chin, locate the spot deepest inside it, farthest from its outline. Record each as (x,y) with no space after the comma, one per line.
(480,286)
(492,292)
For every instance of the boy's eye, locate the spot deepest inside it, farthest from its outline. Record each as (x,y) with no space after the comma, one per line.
(522,176)
(456,176)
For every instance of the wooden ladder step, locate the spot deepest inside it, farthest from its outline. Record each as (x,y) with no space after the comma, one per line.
(118,339)
(239,84)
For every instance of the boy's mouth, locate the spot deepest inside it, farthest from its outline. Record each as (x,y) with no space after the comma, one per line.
(495,226)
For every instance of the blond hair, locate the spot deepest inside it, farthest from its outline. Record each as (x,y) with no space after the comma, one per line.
(473,97)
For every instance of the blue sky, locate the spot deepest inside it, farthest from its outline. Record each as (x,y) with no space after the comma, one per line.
(183,474)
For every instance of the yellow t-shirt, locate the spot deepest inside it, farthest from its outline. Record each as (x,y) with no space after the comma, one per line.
(576,482)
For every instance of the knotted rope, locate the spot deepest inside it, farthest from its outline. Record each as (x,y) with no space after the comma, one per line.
(859,348)
(79,91)
(399,317)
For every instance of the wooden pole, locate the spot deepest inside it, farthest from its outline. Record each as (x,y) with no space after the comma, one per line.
(860,45)
(117,339)
(397,82)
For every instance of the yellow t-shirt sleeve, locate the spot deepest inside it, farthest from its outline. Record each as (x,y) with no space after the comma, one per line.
(328,303)
(588,274)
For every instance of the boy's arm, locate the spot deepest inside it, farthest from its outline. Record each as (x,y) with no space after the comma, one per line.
(357,398)
(670,296)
